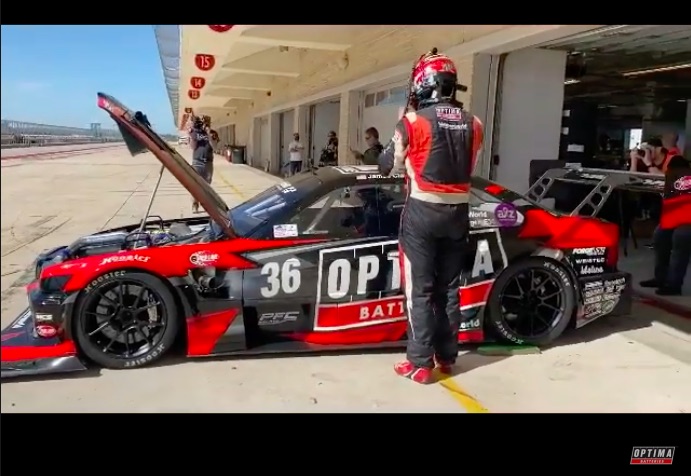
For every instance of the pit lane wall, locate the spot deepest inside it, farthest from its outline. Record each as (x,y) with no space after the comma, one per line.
(380,61)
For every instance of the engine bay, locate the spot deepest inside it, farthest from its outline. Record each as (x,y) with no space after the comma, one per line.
(155,232)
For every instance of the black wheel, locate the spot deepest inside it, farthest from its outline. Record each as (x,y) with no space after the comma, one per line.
(125,320)
(531,302)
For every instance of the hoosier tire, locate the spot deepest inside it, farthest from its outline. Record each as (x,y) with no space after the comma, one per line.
(126,320)
(519,305)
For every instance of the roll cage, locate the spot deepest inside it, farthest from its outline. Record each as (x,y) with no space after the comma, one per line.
(603,181)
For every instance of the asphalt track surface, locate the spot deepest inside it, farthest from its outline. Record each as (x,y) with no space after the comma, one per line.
(634,364)
(50,152)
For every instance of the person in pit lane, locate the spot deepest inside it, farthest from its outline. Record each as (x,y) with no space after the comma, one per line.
(671,242)
(202,151)
(436,144)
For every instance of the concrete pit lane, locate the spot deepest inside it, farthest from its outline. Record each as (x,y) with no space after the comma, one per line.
(639,363)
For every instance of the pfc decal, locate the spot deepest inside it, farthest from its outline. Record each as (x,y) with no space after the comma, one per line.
(193,94)
(103,277)
(275,318)
(125,259)
(197,82)
(188,110)
(203,258)
(205,62)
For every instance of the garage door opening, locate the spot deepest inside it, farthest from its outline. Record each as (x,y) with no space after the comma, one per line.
(382,111)
(623,88)
(324,117)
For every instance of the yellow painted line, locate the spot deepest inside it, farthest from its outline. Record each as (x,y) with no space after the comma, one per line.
(467,401)
(231,186)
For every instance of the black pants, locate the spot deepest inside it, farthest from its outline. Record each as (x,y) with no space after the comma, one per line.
(672,255)
(295,166)
(433,241)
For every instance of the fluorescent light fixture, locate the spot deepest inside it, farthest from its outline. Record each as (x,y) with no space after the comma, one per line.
(660,69)
(572,81)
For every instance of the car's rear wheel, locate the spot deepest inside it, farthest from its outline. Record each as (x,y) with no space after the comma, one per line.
(531,302)
(126,320)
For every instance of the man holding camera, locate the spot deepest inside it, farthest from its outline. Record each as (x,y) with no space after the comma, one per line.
(651,157)
(202,151)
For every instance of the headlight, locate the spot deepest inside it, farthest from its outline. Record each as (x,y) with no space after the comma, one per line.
(54,283)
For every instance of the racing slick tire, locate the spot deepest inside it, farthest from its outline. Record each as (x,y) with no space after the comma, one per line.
(561,285)
(156,343)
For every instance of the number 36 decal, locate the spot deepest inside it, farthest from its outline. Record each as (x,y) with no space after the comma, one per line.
(281,278)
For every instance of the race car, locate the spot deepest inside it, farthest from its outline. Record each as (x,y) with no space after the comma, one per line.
(310,264)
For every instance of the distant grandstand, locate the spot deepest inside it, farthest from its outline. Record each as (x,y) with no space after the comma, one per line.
(27,134)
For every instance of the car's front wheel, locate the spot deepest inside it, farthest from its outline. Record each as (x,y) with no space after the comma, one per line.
(126,319)
(531,302)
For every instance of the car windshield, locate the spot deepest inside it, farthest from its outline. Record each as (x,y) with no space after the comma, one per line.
(270,204)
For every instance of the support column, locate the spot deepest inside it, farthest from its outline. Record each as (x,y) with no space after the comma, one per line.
(253,141)
(301,122)
(348,125)
(532,98)
(274,142)
(483,87)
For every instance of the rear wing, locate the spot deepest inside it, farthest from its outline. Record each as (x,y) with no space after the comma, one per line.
(603,181)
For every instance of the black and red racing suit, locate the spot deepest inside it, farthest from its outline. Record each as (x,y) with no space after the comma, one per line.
(672,237)
(437,147)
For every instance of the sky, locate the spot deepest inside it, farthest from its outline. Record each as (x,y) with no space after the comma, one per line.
(51,74)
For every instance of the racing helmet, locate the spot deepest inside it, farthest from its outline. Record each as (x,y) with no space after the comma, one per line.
(434,78)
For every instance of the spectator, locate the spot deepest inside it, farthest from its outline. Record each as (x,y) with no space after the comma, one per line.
(672,241)
(329,155)
(202,152)
(652,157)
(295,149)
(371,155)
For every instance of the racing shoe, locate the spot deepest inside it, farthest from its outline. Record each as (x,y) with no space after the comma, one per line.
(650,283)
(445,368)
(416,374)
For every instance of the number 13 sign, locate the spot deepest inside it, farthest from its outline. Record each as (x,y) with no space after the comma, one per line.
(205,62)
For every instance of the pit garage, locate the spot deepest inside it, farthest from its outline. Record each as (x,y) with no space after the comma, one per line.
(382,107)
(640,363)
(599,94)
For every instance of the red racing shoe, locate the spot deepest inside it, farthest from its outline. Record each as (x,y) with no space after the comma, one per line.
(445,368)
(416,374)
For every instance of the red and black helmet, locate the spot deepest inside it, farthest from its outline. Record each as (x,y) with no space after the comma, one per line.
(434,78)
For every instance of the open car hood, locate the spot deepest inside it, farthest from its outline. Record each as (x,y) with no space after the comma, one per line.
(140,137)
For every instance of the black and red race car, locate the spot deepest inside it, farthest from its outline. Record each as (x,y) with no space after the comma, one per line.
(310,264)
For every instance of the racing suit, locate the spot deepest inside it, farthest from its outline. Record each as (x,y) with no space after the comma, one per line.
(437,146)
(672,238)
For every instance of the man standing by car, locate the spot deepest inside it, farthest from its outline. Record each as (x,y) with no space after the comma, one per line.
(295,149)
(672,238)
(202,153)
(437,145)
(374,147)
